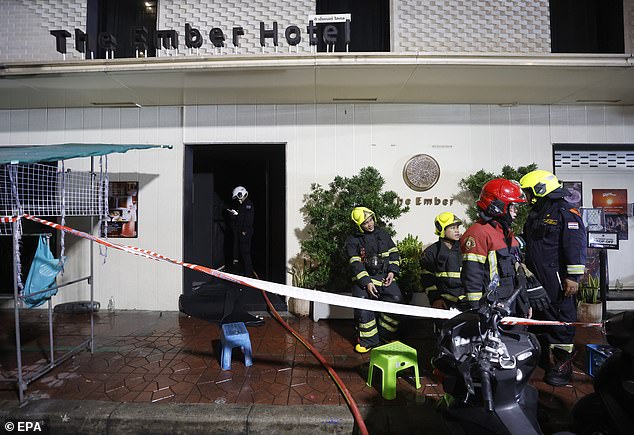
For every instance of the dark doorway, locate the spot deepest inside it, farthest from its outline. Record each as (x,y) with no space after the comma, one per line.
(120,18)
(587,26)
(369,27)
(211,173)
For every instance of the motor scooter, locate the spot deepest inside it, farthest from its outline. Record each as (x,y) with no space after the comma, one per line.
(608,410)
(485,371)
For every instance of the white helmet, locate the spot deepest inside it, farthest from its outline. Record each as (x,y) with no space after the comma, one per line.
(240,193)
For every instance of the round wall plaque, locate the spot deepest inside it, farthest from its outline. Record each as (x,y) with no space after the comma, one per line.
(421,172)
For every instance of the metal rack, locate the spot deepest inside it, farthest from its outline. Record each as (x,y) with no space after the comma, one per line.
(49,190)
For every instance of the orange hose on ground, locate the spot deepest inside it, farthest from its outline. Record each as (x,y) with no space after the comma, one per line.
(335,377)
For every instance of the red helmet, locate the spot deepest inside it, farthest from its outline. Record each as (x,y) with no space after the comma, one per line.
(497,194)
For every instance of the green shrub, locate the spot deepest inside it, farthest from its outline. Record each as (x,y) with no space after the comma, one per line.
(410,249)
(328,224)
(472,185)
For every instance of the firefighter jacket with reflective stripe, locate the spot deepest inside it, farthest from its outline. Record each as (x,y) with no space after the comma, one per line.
(441,271)
(361,247)
(555,241)
(485,253)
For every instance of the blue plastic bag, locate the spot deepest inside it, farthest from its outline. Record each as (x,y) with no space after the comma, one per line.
(44,269)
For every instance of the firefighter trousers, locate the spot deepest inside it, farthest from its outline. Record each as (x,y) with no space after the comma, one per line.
(374,328)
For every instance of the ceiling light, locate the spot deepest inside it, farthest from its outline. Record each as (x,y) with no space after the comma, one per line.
(598,101)
(352,100)
(116,104)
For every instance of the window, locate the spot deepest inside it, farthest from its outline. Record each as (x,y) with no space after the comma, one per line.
(113,22)
(586,26)
(369,27)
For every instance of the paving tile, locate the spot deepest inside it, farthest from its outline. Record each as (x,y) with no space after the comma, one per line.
(146,356)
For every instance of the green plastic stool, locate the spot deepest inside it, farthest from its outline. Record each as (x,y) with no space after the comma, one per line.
(391,358)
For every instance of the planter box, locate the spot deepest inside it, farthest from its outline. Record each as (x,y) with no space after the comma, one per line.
(299,307)
(589,313)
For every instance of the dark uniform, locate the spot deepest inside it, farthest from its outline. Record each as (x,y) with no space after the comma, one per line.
(555,250)
(372,256)
(486,251)
(441,273)
(242,225)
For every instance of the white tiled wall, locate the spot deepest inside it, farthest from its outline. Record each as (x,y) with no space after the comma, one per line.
(173,14)
(25,27)
(514,26)
(133,282)
(322,141)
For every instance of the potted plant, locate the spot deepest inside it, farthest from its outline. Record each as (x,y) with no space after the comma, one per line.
(589,308)
(300,272)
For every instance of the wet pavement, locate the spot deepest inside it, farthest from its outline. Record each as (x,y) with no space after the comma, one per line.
(168,357)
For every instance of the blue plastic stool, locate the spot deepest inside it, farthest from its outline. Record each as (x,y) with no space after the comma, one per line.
(235,335)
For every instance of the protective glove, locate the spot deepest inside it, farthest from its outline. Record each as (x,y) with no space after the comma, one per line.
(537,296)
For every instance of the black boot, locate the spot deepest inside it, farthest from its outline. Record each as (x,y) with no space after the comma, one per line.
(560,371)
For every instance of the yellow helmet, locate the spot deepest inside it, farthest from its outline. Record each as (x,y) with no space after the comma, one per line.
(539,183)
(360,215)
(443,220)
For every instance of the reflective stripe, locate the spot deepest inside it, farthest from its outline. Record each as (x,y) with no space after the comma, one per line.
(367,325)
(430,289)
(398,263)
(389,319)
(362,274)
(474,257)
(377,282)
(387,326)
(371,333)
(567,347)
(353,259)
(475,296)
(575,269)
(452,298)
(493,265)
(448,274)
(394,249)
(385,254)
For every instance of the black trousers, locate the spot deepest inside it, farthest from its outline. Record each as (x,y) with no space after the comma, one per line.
(563,309)
(242,249)
(372,328)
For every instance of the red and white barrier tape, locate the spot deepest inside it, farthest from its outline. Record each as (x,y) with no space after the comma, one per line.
(296,292)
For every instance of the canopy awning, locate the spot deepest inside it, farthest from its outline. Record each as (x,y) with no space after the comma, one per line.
(65,151)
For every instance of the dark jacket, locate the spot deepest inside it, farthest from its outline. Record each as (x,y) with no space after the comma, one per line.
(441,272)
(555,242)
(361,247)
(246,213)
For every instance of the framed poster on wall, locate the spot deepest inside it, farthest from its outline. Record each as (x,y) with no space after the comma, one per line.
(593,219)
(575,195)
(123,209)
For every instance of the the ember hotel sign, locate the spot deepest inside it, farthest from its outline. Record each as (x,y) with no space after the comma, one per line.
(170,39)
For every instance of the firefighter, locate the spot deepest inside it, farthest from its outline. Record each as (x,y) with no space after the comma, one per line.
(489,247)
(241,219)
(441,263)
(374,261)
(556,253)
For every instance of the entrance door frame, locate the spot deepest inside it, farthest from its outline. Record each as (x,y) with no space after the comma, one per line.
(264,166)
